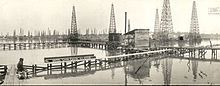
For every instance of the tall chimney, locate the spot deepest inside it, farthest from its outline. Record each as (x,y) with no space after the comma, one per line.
(125,21)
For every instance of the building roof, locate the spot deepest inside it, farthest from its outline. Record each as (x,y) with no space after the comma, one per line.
(132,32)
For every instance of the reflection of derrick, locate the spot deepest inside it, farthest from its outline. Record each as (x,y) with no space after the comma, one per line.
(167,69)
(143,72)
(194,68)
(69,74)
(74,49)
(113,73)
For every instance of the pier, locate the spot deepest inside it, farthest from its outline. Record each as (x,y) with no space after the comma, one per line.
(180,51)
(102,63)
(27,46)
(47,45)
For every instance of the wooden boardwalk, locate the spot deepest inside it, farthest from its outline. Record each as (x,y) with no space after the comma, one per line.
(88,66)
(100,64)
(11,78)
(189,47)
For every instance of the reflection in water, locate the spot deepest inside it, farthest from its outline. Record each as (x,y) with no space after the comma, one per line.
(167,69)
(74,49)
(181,43)
(113,52)
(194,69)
(194,43)
(157,64)
(170,43)
(67,74)
(188,65)
(139,69)
(113,72)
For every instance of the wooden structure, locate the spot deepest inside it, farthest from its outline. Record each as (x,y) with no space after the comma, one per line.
(24,46)
(192,51)
(86,63)
(68,58)
(48,45)
(137,38)
(3,69)
(90,63)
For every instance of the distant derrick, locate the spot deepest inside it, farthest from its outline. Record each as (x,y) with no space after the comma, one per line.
(194,26)
(112,26)
(73,31)
(156,25)
(166,23)
(113,37)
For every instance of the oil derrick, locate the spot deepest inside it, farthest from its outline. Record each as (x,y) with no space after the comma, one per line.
(112,26)
(166,24)
(21,35)
(14,36)
(194,26)
(49,35)
(74,31)
(156,25)
(113,38)
(29,37)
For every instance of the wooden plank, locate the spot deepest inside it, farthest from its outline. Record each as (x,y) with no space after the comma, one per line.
(68,58)
(133,54)
(207,48)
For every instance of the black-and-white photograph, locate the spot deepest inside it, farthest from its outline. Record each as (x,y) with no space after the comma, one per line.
(109,42)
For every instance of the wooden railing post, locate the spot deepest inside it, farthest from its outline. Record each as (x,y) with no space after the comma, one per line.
(64,65)
(33,71)
(5,69)
(75,64)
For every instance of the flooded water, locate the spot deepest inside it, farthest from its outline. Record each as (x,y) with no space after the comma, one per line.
(156,70)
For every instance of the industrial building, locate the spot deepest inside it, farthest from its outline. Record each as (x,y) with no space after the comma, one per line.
(137,38)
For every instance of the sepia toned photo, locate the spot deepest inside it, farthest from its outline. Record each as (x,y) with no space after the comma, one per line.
(109,42)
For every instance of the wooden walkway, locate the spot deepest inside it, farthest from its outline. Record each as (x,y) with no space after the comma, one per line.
(189,47)
(11,78)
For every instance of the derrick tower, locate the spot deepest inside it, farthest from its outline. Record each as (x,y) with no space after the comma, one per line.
(113,38)
(194,26)
(166,24)
(112,26)
(73,31)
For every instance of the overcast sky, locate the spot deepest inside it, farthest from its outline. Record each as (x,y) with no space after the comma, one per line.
(56,14)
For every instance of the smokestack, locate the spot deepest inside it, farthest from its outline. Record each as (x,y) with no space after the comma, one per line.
(125,21)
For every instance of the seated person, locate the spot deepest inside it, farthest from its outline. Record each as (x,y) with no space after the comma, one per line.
(20,66)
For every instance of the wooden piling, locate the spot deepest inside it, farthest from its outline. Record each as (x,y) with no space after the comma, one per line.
(65,65)
(3,46)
